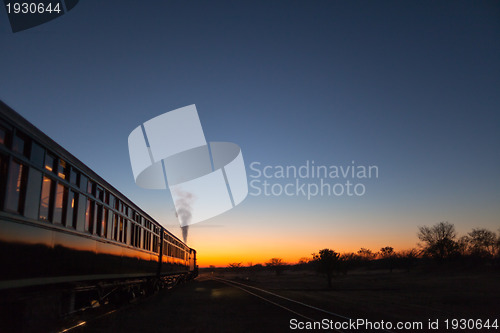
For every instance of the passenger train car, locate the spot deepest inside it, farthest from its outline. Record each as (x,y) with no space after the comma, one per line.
(67,237)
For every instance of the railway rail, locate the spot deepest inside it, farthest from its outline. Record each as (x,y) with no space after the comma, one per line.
(305,311)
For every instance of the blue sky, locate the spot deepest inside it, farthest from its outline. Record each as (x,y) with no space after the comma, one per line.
(413,88)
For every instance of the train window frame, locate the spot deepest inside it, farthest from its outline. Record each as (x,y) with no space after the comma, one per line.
(59,213)
(5,139)
(91,185)
(99,193)
(63,169)
(98,218)
(104,222)
(17,196)
(50,163)
(74,176)
(50,195)
(90,213)
(20,138)
(72,209)
(37,154)
(83,183)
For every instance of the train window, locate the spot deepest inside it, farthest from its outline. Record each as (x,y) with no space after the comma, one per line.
(89,216)
(60,204)
(32,197)
(50,163)
(132,234)
(45,198)
(138,236)
(125,228)
(72,210)
(111,200)
(74,176)
(120,231)
(104,222)
(63,169)
(98,220)
(99,193)
(4,136)
(90,187)
(83,182)
(20,144)
(147,240)
(37,153)
(16,187)
(115,226)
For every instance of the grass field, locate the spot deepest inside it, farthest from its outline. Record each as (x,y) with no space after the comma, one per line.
(381,295)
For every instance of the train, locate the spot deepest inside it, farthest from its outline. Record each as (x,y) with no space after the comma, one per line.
(69,239)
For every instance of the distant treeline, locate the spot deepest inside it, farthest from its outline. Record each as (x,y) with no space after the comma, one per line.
(439,246)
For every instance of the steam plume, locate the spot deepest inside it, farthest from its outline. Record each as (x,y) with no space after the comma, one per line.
(183,209)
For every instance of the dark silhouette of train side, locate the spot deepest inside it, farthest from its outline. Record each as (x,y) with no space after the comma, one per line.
(68,239)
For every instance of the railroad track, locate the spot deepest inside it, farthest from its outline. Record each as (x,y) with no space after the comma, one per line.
(303,312)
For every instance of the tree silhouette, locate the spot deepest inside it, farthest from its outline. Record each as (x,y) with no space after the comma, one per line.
(327,261)
(388,255)
(439,240)
(482,242)
(235,265)
(366,254)
(277,265)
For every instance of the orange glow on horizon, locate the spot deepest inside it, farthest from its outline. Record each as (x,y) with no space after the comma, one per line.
(253,248)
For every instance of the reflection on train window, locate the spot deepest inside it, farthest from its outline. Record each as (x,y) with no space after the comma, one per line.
(98,219)
(120,232)
(104,222)
(60,204)
(99,193)
(3,174)
(45,198)
(74,176)
(37,153)
(49,162)
(72,209)
(125,225)
(115,226)
(89,216)
(20,144)
(63,170)
(16,186)
(136,235)
(4,136)
(83,182)
(90,187)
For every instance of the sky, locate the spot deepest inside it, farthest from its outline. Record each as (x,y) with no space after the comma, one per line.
(412,88)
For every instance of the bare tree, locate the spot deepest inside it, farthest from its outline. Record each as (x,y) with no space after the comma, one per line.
(327,262)
(387,252)
(463,245)
(439,240)
(407,258)
(482,242)
(366,254)
(277,265)
(388,256)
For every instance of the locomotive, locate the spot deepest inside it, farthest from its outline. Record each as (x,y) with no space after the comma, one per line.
(69,239)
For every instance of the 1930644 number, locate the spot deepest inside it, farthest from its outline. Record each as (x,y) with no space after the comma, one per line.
(32,8)
(470,324)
